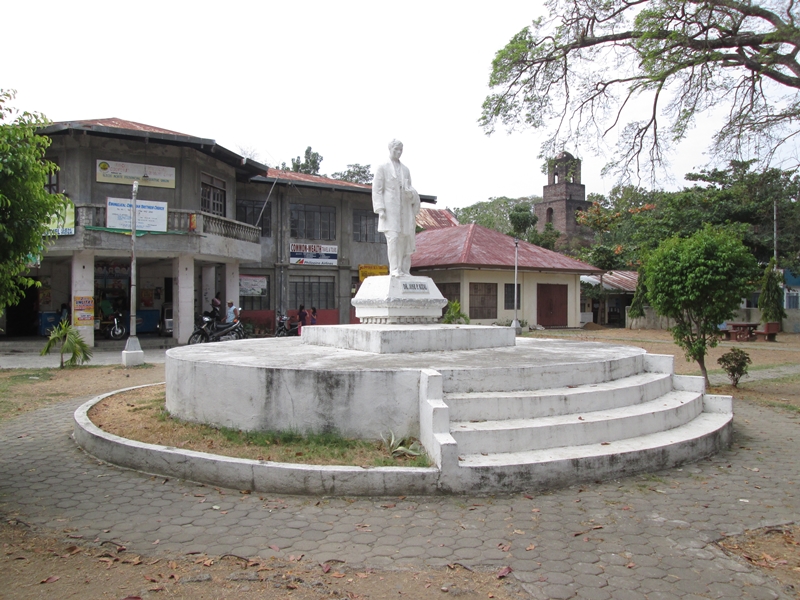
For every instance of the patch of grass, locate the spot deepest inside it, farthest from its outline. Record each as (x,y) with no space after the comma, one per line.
(141,415)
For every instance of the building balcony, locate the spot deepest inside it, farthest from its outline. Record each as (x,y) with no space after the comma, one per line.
(188,231)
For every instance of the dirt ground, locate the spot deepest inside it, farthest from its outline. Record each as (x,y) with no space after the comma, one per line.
(50,564)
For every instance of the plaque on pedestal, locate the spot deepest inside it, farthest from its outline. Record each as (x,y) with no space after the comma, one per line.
(398,300)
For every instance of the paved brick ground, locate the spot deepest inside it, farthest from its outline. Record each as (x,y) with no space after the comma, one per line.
(637,537)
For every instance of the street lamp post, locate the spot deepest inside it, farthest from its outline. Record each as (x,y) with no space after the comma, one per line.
(133,355)
(515,324)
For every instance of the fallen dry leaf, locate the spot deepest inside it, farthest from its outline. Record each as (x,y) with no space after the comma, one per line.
(504,572)
(52,578)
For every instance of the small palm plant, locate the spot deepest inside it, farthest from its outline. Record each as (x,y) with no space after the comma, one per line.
(70,341)
(454,314)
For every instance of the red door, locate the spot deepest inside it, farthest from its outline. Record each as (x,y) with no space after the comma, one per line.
(551,301)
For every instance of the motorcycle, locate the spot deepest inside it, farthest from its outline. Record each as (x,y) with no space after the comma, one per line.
(113,327)
(206,329)
(286,327)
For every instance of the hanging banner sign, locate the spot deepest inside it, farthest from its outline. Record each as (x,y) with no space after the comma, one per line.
(313,254)
(150,216)
(125,173)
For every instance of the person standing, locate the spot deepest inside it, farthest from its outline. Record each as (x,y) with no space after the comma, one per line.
(313,316)
(302,318)
(232,313)
(396,203)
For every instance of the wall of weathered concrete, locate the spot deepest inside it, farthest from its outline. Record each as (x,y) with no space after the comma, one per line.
(791,324)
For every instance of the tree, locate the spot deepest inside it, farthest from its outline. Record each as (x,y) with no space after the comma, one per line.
(26,208)
(521,218)
(493,213)
(67,339)
(309,165)
(699,282)
(355,173)
(547,238)
(632,222)
(648,69)
(770,301)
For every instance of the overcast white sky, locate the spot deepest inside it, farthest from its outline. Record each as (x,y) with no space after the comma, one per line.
(344,77)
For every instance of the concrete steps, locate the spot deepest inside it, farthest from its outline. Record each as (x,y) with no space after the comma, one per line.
(530,404)
(567,424)
(671,410)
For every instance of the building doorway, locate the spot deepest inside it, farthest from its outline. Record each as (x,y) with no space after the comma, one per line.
(551,305)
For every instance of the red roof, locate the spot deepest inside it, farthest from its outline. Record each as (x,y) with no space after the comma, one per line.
(475,246)
(123,124)
(314,179)
(434,218)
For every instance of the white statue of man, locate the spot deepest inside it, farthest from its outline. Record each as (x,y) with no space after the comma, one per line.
(397,205)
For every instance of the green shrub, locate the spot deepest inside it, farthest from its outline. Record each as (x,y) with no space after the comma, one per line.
(453,315)
(735,364)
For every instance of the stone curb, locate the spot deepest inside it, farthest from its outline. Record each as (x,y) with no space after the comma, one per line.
(246,474)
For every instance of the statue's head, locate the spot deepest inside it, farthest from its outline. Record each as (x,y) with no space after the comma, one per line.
(395,148)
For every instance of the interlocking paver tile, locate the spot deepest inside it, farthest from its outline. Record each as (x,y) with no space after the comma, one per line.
(663,525)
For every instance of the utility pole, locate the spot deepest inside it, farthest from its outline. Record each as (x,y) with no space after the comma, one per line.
(515,324)
(133,354)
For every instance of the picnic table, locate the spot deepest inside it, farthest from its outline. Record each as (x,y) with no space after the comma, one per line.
(740,331)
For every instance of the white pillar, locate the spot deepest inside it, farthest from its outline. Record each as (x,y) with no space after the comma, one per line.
(82,301)
(209,284)
(183,297)
(231,283)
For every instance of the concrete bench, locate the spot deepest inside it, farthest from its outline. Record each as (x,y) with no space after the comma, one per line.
(765,336)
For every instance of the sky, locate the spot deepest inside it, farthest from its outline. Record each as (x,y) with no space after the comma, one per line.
(343,77)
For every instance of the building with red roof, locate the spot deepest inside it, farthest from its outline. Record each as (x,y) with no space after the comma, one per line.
(475,265)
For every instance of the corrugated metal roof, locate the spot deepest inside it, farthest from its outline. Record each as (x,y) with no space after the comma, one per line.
(122,129)
(475,246)
(124,124)
(434,218)
(624,281)
(290,176)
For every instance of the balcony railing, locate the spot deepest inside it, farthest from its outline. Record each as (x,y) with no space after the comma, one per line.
(184,221)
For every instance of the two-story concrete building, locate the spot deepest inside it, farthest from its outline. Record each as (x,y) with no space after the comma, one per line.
(209,222)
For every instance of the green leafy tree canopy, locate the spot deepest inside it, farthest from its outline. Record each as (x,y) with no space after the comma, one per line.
(770,301)
(309,164)
(355,173)
(699,282)
(645,71)
(26,208)
(494,213)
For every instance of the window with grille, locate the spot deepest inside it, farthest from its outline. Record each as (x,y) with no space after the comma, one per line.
(318,292)
(311,222)
(51,184)
(365,227)
(247,211)
(482,300)
(212,195)
(792,300)
(509,296)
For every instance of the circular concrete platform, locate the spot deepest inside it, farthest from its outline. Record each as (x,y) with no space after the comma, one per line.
(285,384)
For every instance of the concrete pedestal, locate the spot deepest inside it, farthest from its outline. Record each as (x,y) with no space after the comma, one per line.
(395,339)
(389,300)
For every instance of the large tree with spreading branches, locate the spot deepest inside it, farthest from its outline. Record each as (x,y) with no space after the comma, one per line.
(646,70)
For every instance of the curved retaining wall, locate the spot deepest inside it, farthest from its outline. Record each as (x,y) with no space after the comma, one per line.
(244,474)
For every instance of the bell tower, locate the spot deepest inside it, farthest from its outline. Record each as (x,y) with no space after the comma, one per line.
(563,196)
